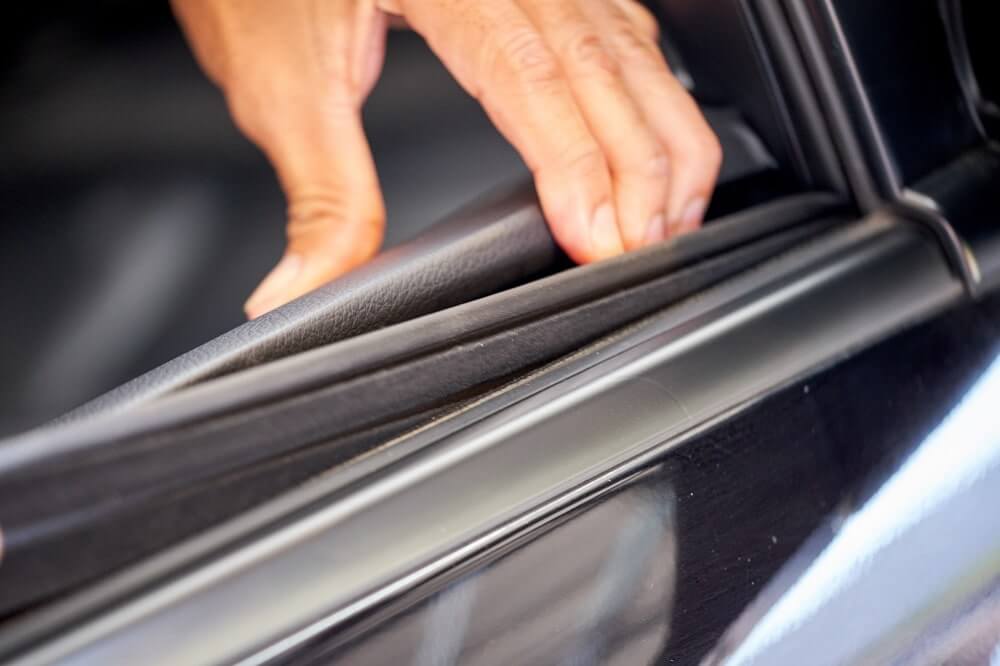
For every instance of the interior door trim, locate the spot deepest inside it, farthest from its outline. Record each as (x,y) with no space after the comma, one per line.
(348,547)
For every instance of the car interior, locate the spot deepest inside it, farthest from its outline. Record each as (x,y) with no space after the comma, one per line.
(104,173)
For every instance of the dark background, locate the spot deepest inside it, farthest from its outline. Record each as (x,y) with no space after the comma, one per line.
(135,219)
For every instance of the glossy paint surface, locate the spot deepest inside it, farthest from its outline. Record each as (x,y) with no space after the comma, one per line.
(913,575)
(749,487)
(600,604)
(495,522)
(713,523)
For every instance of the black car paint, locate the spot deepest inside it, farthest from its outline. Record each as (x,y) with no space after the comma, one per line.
(744,507)
(719,518)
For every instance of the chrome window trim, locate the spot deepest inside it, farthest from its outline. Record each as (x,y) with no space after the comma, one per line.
(668,380)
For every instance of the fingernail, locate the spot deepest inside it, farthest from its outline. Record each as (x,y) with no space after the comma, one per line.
(275,284)
(692,216)
(604,236)
(657,229)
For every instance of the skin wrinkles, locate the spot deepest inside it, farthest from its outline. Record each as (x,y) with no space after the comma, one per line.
(621,155)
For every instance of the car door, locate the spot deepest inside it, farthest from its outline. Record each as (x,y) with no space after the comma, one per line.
(602,463)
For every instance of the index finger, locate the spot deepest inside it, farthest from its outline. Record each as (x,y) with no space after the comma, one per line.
(499,57)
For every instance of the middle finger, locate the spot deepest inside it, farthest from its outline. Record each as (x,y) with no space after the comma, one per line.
(638,162)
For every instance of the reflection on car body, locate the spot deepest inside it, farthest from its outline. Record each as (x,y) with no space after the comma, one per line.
(772,441)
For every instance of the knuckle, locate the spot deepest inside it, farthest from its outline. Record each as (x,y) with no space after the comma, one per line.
(646,162)
(526,57)
(656,165)
(709,149)
(702,152)
(316,211)
(588,52)
(634,50)
(327,217)
(586,162)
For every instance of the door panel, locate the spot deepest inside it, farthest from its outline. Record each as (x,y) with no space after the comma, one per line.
(526,455)
(660,568)
(214,450)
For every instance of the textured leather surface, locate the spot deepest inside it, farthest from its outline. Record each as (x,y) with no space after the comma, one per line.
(115,488)
(495,243)
(492,244)
(136,218)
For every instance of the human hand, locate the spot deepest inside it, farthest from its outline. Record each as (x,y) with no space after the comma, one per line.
(620,153)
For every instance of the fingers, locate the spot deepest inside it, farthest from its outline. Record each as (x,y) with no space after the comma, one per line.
(637,160)
(295,77)
(621,154)
(335,210)
(693,149)
(499,56)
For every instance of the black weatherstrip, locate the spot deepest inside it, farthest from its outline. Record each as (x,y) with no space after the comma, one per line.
(324,555)
(84,499)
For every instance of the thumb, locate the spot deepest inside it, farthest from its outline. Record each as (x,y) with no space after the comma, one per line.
(317,145)
(336,217)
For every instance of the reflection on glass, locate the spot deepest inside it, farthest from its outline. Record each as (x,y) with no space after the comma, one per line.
(597,589)
(915,569)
